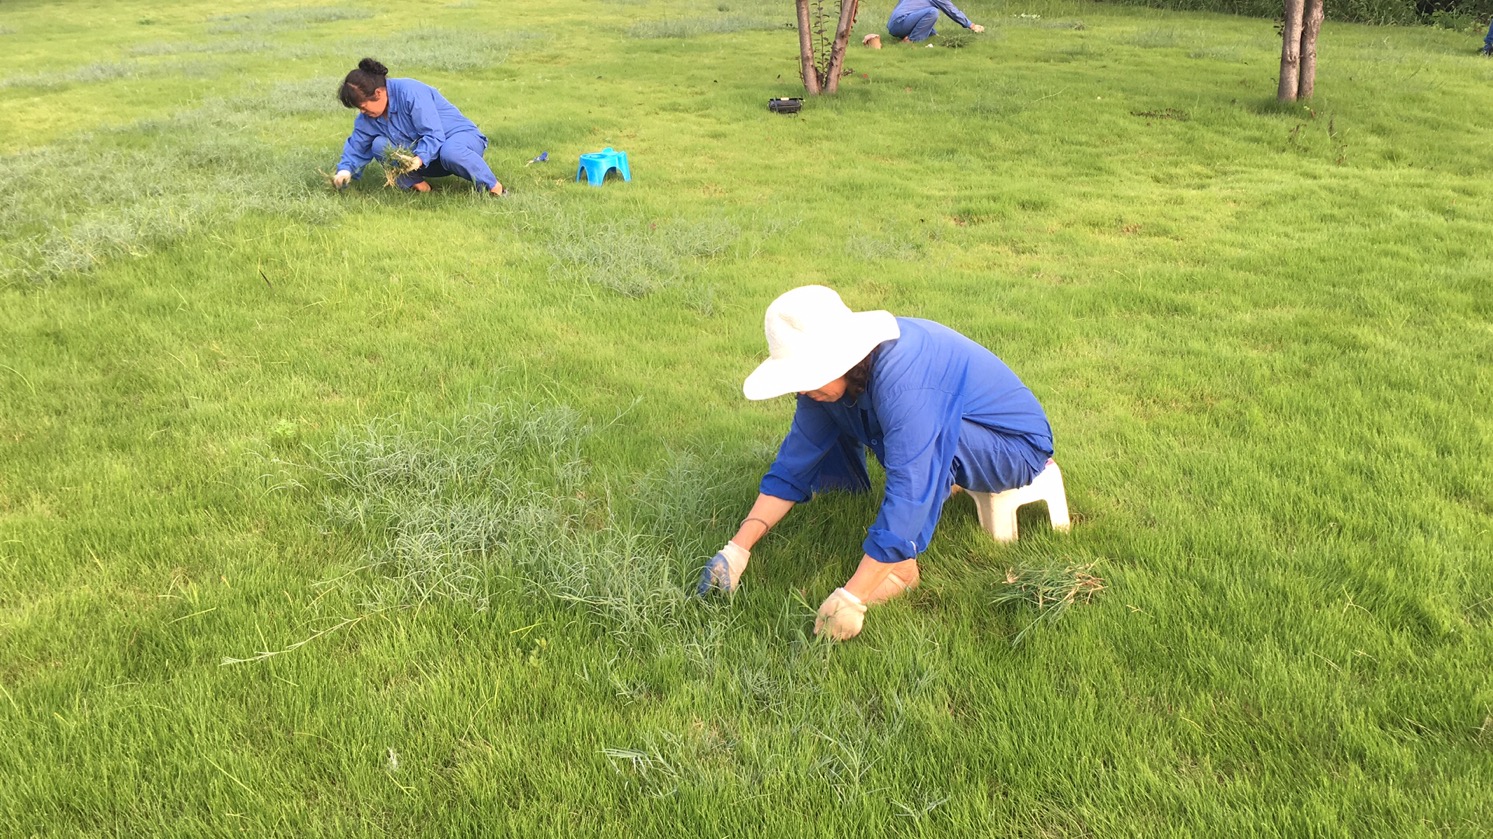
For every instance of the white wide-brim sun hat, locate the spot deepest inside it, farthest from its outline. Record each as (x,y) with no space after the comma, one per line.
(812,339)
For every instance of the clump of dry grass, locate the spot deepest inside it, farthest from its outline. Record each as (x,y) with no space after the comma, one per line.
(398,161)
(1052,590)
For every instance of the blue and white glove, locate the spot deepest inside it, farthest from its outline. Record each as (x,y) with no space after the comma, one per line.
(841,616)
(723,571)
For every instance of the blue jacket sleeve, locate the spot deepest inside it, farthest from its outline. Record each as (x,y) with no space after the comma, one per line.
(952,11)
(922,435)
(427,118)
(358,150)
(809,439)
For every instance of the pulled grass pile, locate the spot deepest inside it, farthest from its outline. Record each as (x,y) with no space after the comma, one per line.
(1053,590)
(398,161)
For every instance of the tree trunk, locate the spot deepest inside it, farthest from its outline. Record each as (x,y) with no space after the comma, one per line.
(806,48)
(1310,27)
(1290,52)
(848,9)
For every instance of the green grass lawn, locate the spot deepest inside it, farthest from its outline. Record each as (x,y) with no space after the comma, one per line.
(375,514)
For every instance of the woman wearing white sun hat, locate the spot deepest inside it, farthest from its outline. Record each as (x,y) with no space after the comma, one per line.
(937,410)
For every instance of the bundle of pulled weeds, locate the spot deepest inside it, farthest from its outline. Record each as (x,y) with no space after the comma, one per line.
(1053,590)
(398,161)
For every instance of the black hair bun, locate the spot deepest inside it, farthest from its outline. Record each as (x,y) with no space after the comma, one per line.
(369,65)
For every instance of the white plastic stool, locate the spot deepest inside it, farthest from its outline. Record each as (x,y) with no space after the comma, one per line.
(997,510)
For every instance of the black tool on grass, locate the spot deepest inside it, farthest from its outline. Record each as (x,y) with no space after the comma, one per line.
(785,106)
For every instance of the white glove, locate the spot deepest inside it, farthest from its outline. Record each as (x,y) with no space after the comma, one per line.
(342,178)
(723,571)
(840,616)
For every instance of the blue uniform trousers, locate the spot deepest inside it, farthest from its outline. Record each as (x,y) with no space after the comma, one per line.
(460,155)
(914,26)
(985,461)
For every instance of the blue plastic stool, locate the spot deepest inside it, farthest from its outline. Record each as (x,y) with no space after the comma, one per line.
(596,165)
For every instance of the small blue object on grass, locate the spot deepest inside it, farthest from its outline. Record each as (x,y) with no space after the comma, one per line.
(715,575)
(543,156)
(596,165)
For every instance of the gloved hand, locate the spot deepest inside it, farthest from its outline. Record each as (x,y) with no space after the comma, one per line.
(342,178)
(723,571)
(840,616)
(976,28)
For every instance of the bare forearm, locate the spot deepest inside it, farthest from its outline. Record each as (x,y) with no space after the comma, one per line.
(870,574)
(765,514)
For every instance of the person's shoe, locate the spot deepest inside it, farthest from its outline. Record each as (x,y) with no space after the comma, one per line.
(1486,50)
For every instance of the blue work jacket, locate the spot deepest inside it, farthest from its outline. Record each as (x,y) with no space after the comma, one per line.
(925,386)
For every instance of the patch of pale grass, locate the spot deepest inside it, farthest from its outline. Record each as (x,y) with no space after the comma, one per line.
(451,512)
(133,230)
(444,50)
(106,71)
(202,166)
(1218,53)
(110,71)
(257,46)
(283,20)
(1053,590)
(635,258)
(693,27)
(1040,22)
(307,96)
(889,245)
(1156,38)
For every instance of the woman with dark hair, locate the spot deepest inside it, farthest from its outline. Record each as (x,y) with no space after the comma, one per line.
(938,410)
(405,113)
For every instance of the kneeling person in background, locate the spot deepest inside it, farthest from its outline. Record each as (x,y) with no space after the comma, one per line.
(404,113)
(913,20)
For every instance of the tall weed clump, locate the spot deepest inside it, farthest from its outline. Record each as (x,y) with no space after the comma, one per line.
(500,496)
